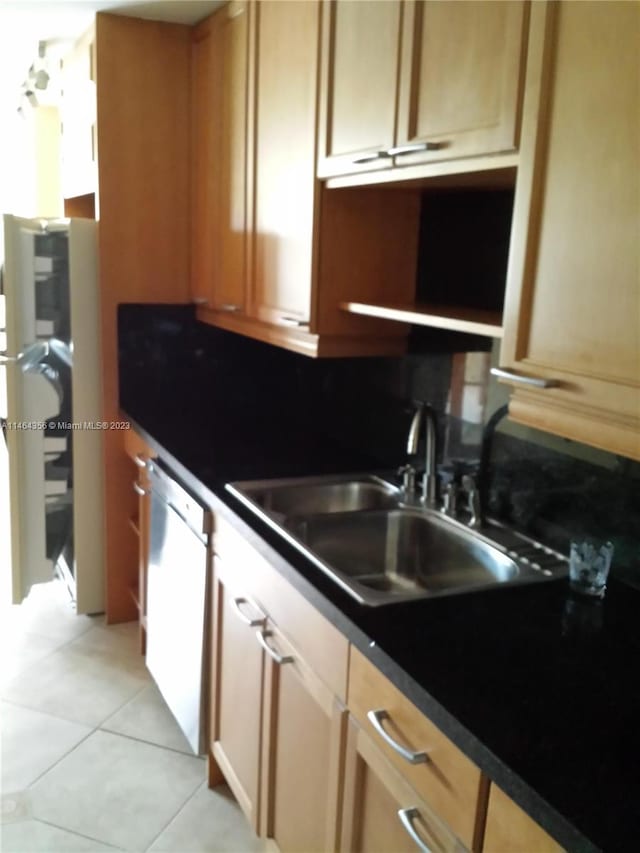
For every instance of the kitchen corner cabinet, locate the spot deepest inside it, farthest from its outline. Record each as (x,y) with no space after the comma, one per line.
(278,686)
(510,830)
(140,524)
(406,83)
(572,310)
(293,251)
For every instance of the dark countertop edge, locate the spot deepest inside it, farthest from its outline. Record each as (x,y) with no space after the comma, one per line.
(526,797)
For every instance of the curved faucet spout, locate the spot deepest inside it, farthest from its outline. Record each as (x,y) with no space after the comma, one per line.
(429,482)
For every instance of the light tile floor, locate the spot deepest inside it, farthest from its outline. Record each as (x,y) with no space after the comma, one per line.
(90,757)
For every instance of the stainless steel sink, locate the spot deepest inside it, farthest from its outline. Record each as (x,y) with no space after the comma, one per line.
(356,530)
(403,553)
(312,495)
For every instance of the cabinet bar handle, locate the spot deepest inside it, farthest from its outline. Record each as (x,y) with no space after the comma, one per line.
(228,307)
(376,718)
(200,300)
(416,148)
(273,654)
(521,379)
(292,321)
(140,461)
(371,158)
(407,817)
(139,490)
(252,623)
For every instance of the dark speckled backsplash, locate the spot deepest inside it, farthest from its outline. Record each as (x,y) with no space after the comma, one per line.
(550,487)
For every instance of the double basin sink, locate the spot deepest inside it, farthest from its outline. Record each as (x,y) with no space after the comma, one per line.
(359,531)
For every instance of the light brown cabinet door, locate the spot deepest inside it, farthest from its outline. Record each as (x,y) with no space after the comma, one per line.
(236,697)
(219,147)
(302,748)
(510,830)
(572,311)
(381,812)
(360,52)
(284,162)
(460,80)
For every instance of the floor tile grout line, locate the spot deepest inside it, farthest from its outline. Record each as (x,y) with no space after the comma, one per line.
(79,834)
(150,742)
(58,760)
(171,820)
(63,648)
(95,726)
(40,711)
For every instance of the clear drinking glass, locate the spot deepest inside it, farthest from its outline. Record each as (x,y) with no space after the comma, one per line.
(589,565)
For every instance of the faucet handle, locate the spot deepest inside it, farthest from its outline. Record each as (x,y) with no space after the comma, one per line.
(408,474)
(450,498)
(471,488)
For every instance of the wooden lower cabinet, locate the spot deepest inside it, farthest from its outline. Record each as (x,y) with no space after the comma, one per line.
(304,728)
(140,524)
(382,812)
(291,732)
(445,778)
(510,830)
(237,675)
(277,730)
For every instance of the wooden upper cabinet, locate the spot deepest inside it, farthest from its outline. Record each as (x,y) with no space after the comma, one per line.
(285,193)
(275,253)
(439,80)
(572,311)
(460,80)
(361,48)
(219,149)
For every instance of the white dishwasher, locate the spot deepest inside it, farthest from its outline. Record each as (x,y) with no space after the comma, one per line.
(177,601)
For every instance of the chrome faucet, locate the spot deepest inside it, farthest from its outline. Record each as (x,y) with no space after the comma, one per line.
(429,481)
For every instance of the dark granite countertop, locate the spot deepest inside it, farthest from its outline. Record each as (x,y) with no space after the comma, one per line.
(540,689)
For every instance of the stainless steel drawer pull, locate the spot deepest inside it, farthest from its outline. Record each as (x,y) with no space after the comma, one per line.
(371,158)
(407,817)
(140,461)
(139,490)
(252,623)
(376,719)
(200,300)
(522,379)
(273,654)
(292,321)
(416,148)
(228,307)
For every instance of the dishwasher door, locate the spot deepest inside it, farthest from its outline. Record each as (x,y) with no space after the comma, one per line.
(179,565)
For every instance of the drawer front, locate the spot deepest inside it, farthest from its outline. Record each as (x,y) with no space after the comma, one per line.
(323,647)
(382,812)
(135,447)
(447,780)
(510,830)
